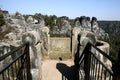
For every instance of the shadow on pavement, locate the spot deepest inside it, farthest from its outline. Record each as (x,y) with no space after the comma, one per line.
(68,73)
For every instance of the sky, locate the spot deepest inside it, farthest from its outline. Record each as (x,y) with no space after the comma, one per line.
(101,9)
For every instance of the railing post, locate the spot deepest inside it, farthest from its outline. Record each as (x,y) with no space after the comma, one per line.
(76,60)
(87,61)
(29,77)
(116,68)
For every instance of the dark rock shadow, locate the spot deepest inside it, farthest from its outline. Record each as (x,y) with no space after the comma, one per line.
(68,73)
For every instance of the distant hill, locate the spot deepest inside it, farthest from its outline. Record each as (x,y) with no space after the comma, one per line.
(111,27)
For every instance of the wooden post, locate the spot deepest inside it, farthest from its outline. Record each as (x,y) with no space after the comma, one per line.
(29,77)
(87,61)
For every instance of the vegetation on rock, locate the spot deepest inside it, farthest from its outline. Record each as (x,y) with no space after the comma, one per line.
(2,20)
(113,29)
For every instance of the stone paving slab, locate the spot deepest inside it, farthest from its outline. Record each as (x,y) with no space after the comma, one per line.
(58,70)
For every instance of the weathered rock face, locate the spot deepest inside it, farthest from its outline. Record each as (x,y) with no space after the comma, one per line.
(33,38)
(56,30)
(15,24)
(11,36)
(45,39)
(18,24)
(75,32)
(4,48)
(77,23)
(22,32)
(83,36)
(30,19)
(83,21)
(86,36)
(66,28)
(86,25)
(33,24)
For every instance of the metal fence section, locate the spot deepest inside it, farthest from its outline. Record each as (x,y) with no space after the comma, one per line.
(92,68)
(15,65)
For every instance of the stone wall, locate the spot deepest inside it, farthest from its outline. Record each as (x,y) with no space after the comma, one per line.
(61,45)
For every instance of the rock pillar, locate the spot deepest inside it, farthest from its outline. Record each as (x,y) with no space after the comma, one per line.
(33,38)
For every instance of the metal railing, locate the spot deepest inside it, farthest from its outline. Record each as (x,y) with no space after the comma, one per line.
(15,65)
(90,67)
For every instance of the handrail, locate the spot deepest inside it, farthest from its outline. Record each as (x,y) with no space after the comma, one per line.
(102,64)
(19,67)
(11,52)
(93,65)
(10,63)
(103,53)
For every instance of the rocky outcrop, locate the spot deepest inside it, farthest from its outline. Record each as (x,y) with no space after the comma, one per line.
(75,32)
(33,38)
(85,37)
(90,25)
(66,28)
(20,32)
(63,30)
(4,48)
(33,24)
(45,39)
(16,25)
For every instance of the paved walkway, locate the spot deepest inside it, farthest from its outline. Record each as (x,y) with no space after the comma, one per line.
(58,70)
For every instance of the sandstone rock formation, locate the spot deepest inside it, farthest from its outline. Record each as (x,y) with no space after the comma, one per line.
(33,38)
(16,25)
(17,22)
(45,39)
(20,31)
(75,32)
(63,29)
(85,37)
(33,24)
(66,28)
(86,25)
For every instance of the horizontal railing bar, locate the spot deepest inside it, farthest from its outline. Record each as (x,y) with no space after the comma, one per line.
(102,64)
(81,60)
(104,54)
(11,52)
(82,55)
(38,42)
(11,63)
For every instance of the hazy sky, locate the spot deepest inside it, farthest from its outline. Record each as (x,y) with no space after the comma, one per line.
(102,9)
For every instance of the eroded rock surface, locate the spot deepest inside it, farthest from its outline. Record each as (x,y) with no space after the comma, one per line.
(90,25)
